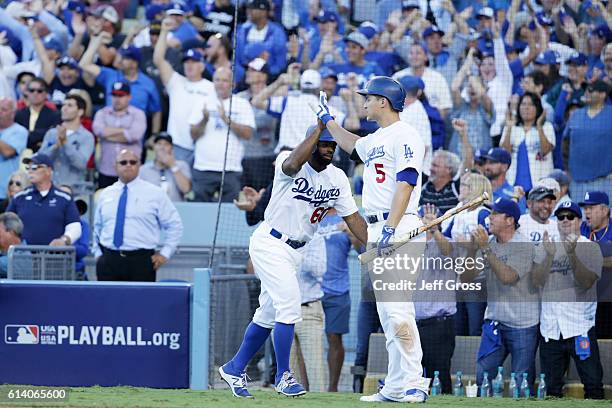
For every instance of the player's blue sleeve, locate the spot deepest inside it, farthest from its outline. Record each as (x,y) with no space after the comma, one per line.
(409,175)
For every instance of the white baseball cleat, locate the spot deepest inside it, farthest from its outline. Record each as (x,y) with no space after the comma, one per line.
(288,386)
(378,397)
(411,396)
(237,383)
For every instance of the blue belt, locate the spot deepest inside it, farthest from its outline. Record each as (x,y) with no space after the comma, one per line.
(373,219)
(292,243)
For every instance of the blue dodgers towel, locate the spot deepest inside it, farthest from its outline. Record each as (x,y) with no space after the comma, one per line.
(583,347)
(491,339)
(523,173)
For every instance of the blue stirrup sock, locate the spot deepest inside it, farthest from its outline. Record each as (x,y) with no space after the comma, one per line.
(283,338)
(254,337)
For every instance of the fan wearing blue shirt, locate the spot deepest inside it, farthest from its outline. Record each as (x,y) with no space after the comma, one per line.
(596,206)
(13,139)
(259,29)
(144,92)
(45,205)
(389,62)
(356,46)
(183,30)
(587,139)
(326,36)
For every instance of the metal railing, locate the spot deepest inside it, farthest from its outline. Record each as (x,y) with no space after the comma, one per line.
(41,262)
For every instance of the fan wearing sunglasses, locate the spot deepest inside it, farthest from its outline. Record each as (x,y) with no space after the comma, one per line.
(132,220)
(37,117)
(17,182)
(568,278)
(43,204)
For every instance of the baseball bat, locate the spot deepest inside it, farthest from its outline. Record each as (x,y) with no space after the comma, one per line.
(372,253)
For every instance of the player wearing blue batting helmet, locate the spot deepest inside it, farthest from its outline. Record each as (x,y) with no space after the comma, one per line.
(388,88)
(326,137)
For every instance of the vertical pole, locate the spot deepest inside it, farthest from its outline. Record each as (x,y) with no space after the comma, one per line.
(200,329)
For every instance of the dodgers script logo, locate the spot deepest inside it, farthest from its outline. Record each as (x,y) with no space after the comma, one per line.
(374,153)
(308,194)
(21,334)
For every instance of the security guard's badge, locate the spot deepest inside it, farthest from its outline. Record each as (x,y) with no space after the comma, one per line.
(583,347)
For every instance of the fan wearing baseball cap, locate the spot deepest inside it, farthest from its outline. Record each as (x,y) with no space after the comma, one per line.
(143,90)
(326,45)
(597,227)
(537,222)
(571,267)
(293,110)
(173,176)
(513,308)
(357,45)
(259,29)
(43,204)
(182,29)
(118,127)
(186,93)
(497,163)
(586,138)
(441,58)
(105,19)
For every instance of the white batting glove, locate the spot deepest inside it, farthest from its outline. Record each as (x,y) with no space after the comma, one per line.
(323,113)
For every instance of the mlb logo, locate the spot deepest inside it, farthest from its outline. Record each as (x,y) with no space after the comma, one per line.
(21,334)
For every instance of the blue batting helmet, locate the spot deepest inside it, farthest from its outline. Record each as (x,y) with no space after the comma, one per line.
(387,87)
(326,137)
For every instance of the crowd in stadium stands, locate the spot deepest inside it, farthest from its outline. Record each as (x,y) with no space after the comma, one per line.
(510,97)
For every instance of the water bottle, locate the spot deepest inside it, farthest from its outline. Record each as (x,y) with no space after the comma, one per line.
(458,387)
(513,391)
(524,387)
(542,387)
(498,383)
(436,386)
(484,386)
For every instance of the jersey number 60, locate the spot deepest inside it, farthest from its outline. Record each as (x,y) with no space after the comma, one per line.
(318,214)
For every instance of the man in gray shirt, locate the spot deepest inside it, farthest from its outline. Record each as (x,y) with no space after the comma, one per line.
(173,176)
(513,309)
(69,145)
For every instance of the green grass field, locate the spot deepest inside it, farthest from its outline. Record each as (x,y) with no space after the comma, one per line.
(128,397)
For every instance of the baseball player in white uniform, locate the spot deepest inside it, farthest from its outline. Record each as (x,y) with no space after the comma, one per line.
(306,186)
(393,160)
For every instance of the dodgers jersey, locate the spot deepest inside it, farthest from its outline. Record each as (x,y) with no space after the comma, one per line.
(463,224)
(535,231)
(300,202)
(385,153)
